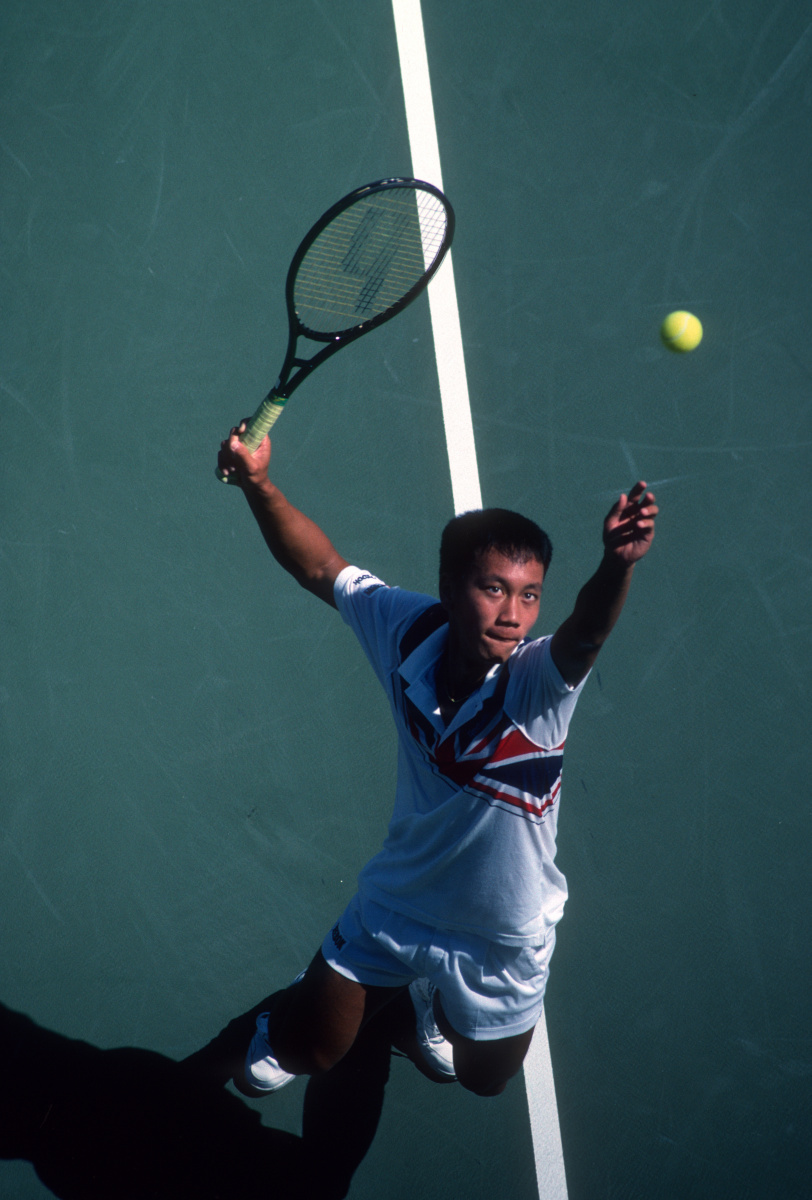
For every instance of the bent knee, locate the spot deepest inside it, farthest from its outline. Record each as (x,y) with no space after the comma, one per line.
(487,1068)
(495,1089)
(306,1060)
(482,1085)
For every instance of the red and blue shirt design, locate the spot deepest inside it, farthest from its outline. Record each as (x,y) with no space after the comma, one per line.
(492,757)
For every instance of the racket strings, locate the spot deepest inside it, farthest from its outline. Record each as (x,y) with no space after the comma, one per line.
(378,271)
(369,258)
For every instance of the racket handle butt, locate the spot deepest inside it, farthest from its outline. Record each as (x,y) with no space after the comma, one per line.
(232,479)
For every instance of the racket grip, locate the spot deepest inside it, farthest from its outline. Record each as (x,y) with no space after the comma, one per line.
(261,423)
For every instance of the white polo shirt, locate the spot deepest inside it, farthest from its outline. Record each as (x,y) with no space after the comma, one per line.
(471,842)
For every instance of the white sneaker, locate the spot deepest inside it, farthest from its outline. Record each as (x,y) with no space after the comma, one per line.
(262,1070)
(437,1051)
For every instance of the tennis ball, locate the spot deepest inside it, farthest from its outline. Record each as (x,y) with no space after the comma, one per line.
(681,331)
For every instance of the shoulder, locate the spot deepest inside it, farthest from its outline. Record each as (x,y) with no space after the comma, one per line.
(356,588)
(353,581)
(533,671)
(533,655)
(538,699)
(372,607)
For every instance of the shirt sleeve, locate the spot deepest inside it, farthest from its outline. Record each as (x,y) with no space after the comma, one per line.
(538,698)
(377,614)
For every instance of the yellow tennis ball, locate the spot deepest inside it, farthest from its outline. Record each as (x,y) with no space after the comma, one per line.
(681,331)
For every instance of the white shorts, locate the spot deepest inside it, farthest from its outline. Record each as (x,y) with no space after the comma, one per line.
(488,990)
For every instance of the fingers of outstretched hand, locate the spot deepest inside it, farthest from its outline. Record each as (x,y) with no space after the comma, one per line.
(639,502)
(639,496)
(629,527)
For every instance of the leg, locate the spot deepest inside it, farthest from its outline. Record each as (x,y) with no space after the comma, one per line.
(483,988)
(315,1022)
(342,1108)
(484,1067)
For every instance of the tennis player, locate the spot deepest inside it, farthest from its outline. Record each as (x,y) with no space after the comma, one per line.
(461,904)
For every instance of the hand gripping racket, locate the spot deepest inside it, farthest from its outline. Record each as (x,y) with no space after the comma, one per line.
(368,257)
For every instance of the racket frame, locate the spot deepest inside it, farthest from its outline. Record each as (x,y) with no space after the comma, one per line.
(271,407)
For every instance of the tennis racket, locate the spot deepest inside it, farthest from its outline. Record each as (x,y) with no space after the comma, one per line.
(368,257)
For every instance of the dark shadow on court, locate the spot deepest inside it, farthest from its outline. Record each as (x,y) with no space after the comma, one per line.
(131,1124)
(128,1124)
(342,1108)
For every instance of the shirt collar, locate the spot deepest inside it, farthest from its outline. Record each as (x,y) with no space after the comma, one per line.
(419,671)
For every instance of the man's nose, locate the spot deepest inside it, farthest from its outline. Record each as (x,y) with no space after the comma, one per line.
(509,612)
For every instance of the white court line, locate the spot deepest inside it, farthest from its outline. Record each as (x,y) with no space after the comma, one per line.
(445,318)
(544,1127)
(414,69)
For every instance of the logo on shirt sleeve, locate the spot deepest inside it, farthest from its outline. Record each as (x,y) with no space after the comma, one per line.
(373,587)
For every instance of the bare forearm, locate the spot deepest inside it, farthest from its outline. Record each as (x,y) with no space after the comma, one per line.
(600,603)
(577,643)
(628,532)
(296,542)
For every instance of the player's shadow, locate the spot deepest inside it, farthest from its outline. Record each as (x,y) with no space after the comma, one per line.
(343,1106)
(130,1124)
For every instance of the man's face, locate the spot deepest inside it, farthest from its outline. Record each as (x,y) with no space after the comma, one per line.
(493,609)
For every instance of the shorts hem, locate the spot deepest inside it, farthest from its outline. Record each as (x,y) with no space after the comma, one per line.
(489,991)
(496,1033)
(366,977)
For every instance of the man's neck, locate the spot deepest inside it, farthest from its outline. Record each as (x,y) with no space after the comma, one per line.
(458,678)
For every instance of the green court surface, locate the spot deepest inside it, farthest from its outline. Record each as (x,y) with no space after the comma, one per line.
(195,759)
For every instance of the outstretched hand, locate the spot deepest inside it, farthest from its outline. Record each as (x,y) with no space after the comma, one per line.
(236,460)
(628,530)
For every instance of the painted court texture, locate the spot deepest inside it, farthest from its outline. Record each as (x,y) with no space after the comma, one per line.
(195,759)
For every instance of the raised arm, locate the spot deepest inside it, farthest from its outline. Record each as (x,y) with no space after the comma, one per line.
(628,532)
(293,539)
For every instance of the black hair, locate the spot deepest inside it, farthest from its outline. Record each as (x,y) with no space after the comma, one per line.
(467,536)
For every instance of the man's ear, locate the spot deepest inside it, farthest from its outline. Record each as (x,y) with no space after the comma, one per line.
(447,592)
